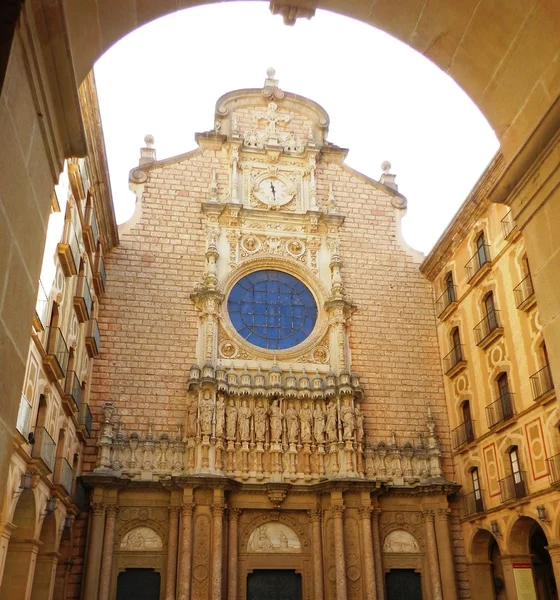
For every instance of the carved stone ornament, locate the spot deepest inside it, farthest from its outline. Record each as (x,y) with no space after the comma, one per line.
(400,541)
(274,537)
(141,538)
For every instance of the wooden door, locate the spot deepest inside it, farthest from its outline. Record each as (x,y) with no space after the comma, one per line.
(138,584)
(403,584)
(274,584)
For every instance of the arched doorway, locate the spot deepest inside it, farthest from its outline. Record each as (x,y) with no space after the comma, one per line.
(22,550)
(486,572)
(47,558)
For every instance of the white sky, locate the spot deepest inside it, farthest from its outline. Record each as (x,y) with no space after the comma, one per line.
(385,101)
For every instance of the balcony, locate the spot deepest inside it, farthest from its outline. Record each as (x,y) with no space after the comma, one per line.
(447,302)
(41,309)
(554,469)
(509,226)
(90,231)
(43,449)
(99,276)
(55,360)
(541,383)
(78,178)
(454,362)
(24,416)
(464,434)
(488,330)
(72,392)
(85,419)
(513,487)
(83,302)
(478,265)
(93,339)
(525,294)
(69,255)
(500,411)
(472,503)
(63,475)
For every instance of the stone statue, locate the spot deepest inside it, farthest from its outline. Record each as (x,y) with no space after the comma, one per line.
(319,424)
(305,418)
(332,415)
(292,424)
(347,417)
(231,420)
(220,415)
(245,422)
(206,412)
(359,424)
(191,417)
(276,417)
(260,421)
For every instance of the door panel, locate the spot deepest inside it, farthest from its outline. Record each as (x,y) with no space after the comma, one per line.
(274,585)
(403,584)
(138,584)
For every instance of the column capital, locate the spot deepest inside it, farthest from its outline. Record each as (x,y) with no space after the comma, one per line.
(443,514)
(365,512)
(97,508)
(173,511)
(112,510)
(187,510)
(375,513)
(428,516)
(315,515)
(218,509)
(234,513)
(337,510)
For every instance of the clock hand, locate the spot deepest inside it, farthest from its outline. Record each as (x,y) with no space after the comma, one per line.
(273,190)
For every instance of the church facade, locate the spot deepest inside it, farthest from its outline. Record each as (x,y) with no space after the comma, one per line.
(268,406)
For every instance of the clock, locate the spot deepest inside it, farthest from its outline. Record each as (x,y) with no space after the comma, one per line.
(273,192)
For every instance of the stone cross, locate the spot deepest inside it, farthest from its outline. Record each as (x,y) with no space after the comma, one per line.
(272,116)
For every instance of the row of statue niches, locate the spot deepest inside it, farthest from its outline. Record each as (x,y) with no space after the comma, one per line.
(276,421)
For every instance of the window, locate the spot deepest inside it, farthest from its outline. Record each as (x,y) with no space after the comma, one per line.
(476,484)
(490,309)
(505,398)
(503,385)
(456,340)
(515,468)
(272,309)
(450,288)
(481,249)
(467,421)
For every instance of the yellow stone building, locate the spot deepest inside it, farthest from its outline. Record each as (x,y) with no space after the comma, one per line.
(501,399)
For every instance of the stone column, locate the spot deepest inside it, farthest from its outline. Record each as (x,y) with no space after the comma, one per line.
(107,557)
(377,559)
(217,550)
(171,575)
(480,578)
(433,561)
(554,551)
(232,553)
(369,568)
(339,556)
(93,557)
(443,537)
(317,546)
(185,565)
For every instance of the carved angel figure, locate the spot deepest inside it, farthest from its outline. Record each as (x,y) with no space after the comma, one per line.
(245,422)
(292,424)
(231,420)
(331,421)
(260,421)
(276,417)
(305,418)
(319,424)
(347,416)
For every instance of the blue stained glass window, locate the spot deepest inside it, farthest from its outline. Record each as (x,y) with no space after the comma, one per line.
(272,309)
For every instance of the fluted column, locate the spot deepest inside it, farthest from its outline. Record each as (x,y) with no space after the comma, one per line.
(433,561)
(95,546)
(107,557)
(172,553)
(232,553)
(377,560)
(217,550)
(369,568)
(185,564)
(339,555)
(443,537)
(318,586)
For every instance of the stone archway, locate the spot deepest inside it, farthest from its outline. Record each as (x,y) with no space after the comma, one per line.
(47,559)
(485,568)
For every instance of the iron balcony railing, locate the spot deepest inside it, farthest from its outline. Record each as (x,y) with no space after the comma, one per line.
(83,300)
(73,389)
(454,357)
(75,249)
(484,328)
(42,305)
(63,475)
(448,297)
(473,503)
(508,225)
(464,434)
(501,410)
(523,290)
(24,416)
(44,448)
(554,469)
(93,338)
(85,419)
(91,222)
(541,382)
(56,346)
(476,263)
(513,486)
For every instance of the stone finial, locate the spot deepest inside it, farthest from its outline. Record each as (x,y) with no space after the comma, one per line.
(148,152)
(387,178)
(214,187)
(331,203)
(270,81)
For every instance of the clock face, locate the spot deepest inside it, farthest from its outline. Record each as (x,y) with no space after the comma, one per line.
(273,191)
